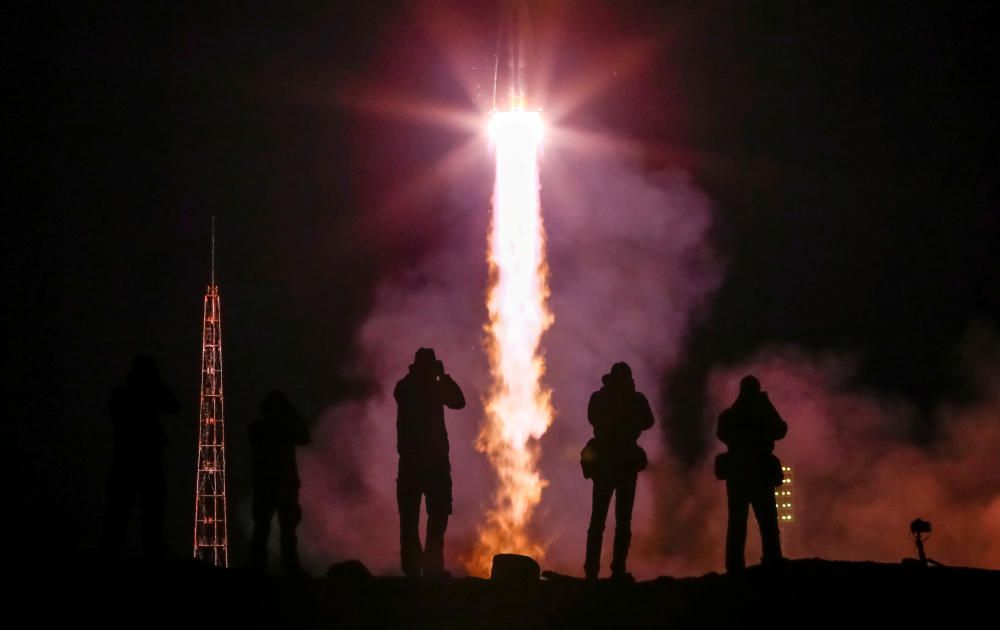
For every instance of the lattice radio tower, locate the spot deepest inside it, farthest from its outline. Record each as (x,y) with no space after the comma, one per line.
(211,542)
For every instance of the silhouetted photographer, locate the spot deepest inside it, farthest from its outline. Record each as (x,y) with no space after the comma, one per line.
(751,471)
(137,469)
(613,459)
(273,438)
(424,469)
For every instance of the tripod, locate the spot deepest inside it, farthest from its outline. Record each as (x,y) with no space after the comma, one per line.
(919,537)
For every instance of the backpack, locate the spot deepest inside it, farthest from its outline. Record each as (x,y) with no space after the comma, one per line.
(588,459)
(771,468)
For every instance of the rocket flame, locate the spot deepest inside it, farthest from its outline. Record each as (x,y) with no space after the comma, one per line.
(518,408)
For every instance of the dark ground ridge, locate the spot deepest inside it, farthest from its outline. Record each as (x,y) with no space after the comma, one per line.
(802,593)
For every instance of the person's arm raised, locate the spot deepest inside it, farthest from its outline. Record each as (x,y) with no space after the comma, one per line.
(451,394)
(644,412)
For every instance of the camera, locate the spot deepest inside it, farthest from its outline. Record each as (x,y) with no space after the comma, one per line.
(920,526)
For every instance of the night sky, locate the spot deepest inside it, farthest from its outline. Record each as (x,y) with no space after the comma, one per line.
(849,150)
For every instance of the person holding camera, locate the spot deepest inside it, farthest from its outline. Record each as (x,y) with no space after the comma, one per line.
(424,469)
(751,471)
(613,459)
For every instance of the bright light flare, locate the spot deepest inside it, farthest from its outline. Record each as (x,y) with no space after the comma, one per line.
(518,407)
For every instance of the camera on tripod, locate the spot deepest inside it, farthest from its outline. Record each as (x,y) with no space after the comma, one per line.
(921,531)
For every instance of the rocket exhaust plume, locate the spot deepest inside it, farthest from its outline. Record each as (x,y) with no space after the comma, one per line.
(518,407)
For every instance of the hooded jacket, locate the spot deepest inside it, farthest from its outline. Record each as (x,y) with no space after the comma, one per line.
(749,428)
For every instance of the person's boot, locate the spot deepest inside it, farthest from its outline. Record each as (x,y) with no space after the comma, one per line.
(290,564)
(258,552)
(433,559)
(622,577)
(592,564)
(773,562)
(623,538)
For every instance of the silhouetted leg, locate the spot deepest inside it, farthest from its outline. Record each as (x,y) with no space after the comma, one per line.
(289,516)
(121,494)
(766,512)
(624,501)
(154,493)
(601,499)
(437,523)
(263,511)
(736,533)
(408,492)
(439,505)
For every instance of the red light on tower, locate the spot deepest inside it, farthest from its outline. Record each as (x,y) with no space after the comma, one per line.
(211,542)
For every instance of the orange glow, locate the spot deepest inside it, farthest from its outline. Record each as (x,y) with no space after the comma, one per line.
(518,407)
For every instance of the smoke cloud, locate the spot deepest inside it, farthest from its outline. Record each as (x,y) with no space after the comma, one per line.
(630,264)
